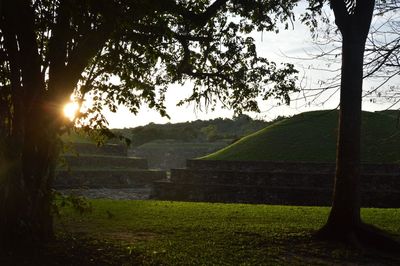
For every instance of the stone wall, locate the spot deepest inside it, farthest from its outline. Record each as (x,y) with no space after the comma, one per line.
(173,154)
(276,166)
(107,179)
(101,161)
(104,167)
(376,181)
(107,149)
(292,183)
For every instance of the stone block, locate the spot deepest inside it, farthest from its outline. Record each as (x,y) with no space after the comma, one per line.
(105,162)
(107,179)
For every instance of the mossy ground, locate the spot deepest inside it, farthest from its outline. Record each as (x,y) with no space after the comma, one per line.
(179,233)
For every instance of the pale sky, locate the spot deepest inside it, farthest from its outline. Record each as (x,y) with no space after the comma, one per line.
(281,47)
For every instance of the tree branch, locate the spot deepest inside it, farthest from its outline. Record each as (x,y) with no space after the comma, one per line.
(198,20)
(87,47)
(341,14)
(363,11)
(84,49)
(58,45)
(11,48)
(20,14)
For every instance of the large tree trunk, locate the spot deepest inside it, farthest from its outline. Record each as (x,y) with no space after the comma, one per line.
(31,122)
(25,187)
(344,222)
(345,213)
(28,145)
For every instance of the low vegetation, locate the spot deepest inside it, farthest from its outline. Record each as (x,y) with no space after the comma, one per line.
(195,131)
(179,233)
(311,136)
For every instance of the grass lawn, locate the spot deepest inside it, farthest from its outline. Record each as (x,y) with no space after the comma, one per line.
(180,233)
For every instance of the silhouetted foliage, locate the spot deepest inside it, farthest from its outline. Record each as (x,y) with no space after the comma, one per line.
(119,52)
(195,131)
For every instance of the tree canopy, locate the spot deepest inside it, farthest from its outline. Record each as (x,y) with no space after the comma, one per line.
(128,52)
(120,52)
(381,59)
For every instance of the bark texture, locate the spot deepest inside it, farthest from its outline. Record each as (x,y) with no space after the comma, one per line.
(345,213)
(38,81)
(28,144)
(25,191)
(344,221)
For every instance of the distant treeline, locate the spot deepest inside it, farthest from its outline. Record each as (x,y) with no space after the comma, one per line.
(195,131)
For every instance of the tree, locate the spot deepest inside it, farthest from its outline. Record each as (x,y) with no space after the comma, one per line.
(353,19)
(210,132)
(121,52)
(381,57)
(353,22)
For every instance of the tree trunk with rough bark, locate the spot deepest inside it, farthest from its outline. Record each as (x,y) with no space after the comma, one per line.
(344,222)
(345,213)
(29,142)
(345,216)
(28,161)
(31,118)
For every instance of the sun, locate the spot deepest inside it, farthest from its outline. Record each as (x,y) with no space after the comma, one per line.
(70,110)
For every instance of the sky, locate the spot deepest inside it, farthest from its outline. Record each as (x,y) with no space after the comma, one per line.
(294,45)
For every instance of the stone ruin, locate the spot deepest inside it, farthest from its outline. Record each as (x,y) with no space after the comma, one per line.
(285,183)
(107,166)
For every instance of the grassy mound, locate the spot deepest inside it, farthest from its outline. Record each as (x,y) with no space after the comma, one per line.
(311,136)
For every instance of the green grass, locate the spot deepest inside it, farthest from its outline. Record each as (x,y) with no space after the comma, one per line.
(179,233)
(393,113)
(311,136)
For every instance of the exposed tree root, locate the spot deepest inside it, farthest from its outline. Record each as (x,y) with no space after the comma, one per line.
(361,236)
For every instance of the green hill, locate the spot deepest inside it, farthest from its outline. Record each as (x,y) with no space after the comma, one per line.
(393,113)
(311,136)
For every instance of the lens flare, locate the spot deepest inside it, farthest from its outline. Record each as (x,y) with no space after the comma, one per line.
(70,110)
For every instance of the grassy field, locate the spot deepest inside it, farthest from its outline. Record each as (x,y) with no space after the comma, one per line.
(178,233)
(311,136)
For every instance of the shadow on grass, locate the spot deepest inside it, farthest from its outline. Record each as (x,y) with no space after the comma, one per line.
(72,250)
(293,249)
